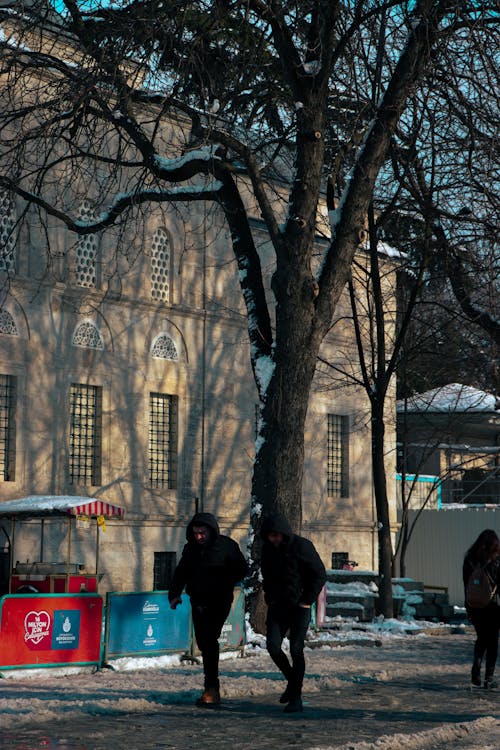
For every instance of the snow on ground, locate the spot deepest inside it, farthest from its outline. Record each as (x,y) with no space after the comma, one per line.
(385,685)
(449,735)
(143,685)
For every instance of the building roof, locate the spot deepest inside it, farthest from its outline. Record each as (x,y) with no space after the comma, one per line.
(454,397)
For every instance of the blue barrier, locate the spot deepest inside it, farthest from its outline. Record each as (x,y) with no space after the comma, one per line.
(142,624)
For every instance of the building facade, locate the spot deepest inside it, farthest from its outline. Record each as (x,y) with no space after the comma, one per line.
(135,387)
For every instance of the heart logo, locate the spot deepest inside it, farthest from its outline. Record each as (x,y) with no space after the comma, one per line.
(36,626)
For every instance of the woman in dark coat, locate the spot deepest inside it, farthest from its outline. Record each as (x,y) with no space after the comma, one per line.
(486,620)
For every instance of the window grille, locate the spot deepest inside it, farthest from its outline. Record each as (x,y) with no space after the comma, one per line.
(160,260)
(88,336)
(7,427)
(338,456)
(85,434)
(164,566)
(163,410)
(7,324)
(164,348)
(339,559)
(86,251)
(7,234)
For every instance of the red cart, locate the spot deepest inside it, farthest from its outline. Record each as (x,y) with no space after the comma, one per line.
(52,577)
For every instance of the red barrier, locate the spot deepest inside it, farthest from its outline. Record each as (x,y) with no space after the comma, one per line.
(49,630)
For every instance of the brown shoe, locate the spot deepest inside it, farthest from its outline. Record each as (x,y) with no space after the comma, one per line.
(210,698)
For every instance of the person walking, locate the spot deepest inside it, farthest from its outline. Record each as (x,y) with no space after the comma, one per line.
(210,566)
(485,552)
(292,578)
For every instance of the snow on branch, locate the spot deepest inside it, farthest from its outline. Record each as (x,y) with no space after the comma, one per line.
(121,202)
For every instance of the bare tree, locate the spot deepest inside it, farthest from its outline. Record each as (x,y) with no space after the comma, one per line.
(446,163)
(265,94)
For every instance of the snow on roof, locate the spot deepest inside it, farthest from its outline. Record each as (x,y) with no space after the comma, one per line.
(454,397)
(40,505)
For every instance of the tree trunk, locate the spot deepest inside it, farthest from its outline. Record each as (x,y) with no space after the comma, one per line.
(279,460)
(384,528)
(402,554)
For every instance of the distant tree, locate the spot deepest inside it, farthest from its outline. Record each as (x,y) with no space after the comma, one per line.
(445,162)
(381,331)
(268,94)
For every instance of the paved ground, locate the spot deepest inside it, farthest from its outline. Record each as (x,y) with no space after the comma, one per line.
(417,708)
(331,718)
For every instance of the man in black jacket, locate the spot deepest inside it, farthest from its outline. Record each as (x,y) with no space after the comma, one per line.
(293,576)
(209,568)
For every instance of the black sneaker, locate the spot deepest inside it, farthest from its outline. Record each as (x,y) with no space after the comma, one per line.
(295,706)
(286,695)
(490,684)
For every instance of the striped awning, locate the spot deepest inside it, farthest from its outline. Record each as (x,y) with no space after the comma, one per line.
(41,506)
(97,508)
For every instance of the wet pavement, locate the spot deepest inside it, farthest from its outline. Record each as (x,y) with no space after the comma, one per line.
(416,693)
(332,717)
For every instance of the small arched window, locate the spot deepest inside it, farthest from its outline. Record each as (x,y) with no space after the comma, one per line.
(7,324)
(88,336)
(7,234)
(160,264)
(164,348)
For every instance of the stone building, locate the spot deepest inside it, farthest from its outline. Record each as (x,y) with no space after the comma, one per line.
(136,388)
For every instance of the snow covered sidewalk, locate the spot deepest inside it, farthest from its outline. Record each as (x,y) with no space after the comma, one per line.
(363,691)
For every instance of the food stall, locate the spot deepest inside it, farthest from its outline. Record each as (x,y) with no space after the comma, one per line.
(48,577)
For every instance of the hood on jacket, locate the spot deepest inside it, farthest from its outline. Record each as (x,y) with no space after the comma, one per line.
(276,522)
(203,519)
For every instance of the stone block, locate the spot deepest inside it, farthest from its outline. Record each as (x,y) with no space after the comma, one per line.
(408,584)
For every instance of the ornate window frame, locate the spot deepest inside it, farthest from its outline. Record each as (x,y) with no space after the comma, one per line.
(87,336)
(164,347)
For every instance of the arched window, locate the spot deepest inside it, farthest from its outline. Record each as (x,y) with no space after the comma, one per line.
(160,263)
(88,336)
(7,236)
(164,348)
(86,251)
(7,324)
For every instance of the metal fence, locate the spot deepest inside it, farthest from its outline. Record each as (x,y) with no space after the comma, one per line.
(428,491)
(485,492)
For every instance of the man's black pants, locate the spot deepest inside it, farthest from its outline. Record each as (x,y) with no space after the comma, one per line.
(208,620)
(279,621)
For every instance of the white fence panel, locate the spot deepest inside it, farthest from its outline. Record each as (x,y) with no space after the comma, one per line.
(439,542)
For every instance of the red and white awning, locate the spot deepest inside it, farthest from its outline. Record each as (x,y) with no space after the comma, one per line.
(97,508)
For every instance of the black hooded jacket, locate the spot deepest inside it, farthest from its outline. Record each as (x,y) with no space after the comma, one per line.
(208,571)
(293,572)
